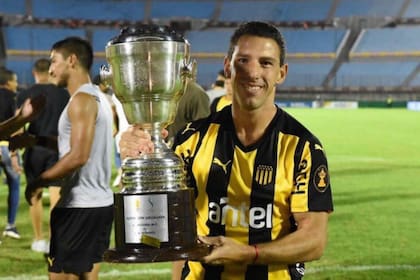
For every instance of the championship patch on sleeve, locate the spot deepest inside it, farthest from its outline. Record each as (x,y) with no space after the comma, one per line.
(321,178)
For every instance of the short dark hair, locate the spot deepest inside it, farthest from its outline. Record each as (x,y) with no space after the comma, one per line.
(6,75)
(78,46)
(261,29)
(219,83)
(42,65)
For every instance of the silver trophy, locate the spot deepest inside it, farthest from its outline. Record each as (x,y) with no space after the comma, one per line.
(149,67)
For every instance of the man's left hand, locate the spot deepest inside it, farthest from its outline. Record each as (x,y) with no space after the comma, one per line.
(226,250)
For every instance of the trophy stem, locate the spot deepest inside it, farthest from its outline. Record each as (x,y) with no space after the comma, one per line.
(156,135)
(161,170)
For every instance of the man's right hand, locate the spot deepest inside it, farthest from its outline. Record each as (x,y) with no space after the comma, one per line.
(32,107)
(135,141)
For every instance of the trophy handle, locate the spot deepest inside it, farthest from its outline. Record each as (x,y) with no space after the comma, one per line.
(189,67)
(105,73)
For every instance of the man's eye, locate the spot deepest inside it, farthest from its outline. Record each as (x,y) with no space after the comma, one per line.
(266,63)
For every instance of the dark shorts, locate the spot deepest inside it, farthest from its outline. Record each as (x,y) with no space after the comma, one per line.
(79,238)
(36,160)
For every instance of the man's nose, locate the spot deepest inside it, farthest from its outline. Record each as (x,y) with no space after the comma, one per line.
(253,70)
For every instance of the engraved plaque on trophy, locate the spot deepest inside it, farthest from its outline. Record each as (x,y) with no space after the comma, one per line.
(154,212)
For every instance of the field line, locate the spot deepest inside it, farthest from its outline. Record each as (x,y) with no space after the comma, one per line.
(350,268)
(167,271)
(109,274)
(147,271)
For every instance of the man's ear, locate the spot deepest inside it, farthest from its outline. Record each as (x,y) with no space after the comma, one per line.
(72,59)
(282,73)
(226,68)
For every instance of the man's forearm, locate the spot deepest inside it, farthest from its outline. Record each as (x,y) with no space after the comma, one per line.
(11,125)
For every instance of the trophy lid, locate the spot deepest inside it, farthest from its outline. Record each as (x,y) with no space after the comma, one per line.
(147,32)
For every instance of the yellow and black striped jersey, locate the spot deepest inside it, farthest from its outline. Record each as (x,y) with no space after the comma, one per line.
(249,193)
(219,103)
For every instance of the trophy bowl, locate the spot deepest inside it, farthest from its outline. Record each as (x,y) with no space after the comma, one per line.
(149,67)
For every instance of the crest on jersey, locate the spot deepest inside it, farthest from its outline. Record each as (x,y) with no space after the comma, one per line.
(321,178)
(264,175)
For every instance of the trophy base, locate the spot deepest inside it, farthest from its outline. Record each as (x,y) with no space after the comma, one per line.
(164,231)
(148,255)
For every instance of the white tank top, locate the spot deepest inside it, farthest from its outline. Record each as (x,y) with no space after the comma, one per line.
(89,186)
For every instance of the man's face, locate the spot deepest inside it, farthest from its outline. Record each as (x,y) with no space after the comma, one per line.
(255,71)
(59,69)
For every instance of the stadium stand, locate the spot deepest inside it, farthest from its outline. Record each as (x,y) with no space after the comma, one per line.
(412,10)
(398,41)
(371,74)
(274,10)
(89,10)
(182,10)
(334,46)
(370,8)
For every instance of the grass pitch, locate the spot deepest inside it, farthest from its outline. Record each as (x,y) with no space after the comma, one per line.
(374,162)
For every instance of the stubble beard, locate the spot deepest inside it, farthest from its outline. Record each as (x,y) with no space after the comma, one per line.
(62,81)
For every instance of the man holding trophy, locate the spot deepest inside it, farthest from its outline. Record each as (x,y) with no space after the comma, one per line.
(260,178)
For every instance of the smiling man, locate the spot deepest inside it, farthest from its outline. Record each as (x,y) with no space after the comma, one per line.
(261,178)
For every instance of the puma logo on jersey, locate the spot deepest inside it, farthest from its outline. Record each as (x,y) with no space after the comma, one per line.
(50,261)
(221,164)
(187,128)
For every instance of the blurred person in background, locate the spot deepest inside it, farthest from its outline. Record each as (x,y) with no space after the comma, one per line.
(24,114)
(263,194)
(117,119)
(222,101)
(9,160)
(218,87)
(193,105)
(120,126)
(40,140)
(29,110)
(107,91)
